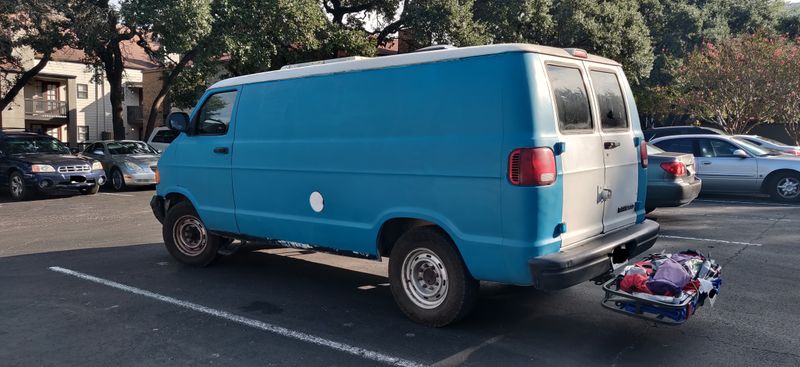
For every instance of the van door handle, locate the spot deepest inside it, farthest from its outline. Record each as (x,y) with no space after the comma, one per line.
(610,144)
(221,150)
(706,163)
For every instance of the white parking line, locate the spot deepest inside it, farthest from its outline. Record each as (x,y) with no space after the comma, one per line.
(342,347)
(113,194)
(711,240)
(741,202)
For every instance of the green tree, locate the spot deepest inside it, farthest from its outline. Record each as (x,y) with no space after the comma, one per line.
(38,26)
(515,21)
(612,28)
(96,23)
(738,83)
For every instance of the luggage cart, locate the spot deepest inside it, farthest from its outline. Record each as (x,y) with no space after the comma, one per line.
(651,309)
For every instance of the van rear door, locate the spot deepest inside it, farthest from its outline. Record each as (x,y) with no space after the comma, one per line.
(582,165)
(620,153)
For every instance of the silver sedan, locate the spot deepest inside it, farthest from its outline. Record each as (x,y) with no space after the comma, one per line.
(730,165)
(126,162)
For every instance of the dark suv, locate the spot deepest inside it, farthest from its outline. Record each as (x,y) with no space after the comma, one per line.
(31,163)
(660,132)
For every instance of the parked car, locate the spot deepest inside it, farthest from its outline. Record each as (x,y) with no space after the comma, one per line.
(660,132)
(770,144)
(498,168)
(126,162)
(671,179)
(32,163)
(730,165)
(161,138)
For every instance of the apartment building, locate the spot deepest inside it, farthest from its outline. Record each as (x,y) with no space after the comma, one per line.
(70,100)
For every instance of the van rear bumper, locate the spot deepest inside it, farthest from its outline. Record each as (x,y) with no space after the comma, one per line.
(590,259)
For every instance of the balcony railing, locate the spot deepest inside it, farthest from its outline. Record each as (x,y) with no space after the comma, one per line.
(135,115)
(45,108)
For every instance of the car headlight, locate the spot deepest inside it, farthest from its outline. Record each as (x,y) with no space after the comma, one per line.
(37,168)
(133,167)
(97,166)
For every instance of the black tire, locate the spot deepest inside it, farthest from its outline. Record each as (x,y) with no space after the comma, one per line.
(427,251)
(117,180)
(90,191)
(785,187)
(198,247)
(16,187)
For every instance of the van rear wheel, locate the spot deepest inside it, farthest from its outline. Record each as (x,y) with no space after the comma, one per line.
(186,237)
(428,278)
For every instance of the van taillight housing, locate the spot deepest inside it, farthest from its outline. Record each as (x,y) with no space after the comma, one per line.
(532,167)
(675,168)
(643,154)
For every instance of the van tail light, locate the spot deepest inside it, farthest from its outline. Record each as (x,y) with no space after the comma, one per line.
(796,152)
(158,174)
(675,168)
(643,154)
(532,167)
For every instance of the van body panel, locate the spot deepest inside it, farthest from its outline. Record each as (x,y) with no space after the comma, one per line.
(193,169)
(621,154)
(367,162)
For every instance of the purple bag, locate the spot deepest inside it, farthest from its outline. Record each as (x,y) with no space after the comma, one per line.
(670,278)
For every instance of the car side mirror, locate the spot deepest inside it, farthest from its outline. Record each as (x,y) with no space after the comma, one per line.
(740,153)
(178,121)
(2,154)
(74,150)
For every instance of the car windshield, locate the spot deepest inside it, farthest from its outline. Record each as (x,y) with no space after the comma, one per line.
(768,140)
(652,149)
(130,147)
(754,149)
(35,144)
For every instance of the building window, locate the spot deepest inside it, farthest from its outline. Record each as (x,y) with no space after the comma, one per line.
(83,134)
(83,91)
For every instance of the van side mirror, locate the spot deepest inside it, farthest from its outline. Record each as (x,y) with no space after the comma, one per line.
(74,150)
(740,153)
(178,121)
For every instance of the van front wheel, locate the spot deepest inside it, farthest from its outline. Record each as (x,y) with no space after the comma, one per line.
(428,278)
(186,237)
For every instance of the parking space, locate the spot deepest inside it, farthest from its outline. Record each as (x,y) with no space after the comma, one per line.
(85,280)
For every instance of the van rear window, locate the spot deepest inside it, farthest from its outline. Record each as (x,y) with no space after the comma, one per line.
(572,101)
(609,100)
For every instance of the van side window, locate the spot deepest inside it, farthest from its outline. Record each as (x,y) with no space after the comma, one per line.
(215,115)
(609,100)
(572,101)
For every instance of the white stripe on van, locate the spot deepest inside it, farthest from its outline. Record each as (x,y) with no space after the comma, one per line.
(256,324)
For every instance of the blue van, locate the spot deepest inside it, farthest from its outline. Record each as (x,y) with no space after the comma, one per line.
(513,163)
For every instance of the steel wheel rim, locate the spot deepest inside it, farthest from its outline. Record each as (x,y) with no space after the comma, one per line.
(788,187)
(17,186)
(425,278)
(116,180)
(190,235)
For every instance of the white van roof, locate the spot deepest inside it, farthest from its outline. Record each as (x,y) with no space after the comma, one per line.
(366,63)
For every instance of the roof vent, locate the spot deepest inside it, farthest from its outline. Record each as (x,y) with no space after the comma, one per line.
(436,48)
(323,62)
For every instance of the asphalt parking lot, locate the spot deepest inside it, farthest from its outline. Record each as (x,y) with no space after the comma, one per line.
(86,281)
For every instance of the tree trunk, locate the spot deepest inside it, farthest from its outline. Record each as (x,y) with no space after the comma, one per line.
(23,80)
(113,63)
(162,93)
